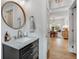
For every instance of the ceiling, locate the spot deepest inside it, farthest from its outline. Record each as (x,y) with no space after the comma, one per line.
(59,11)
(63,3)
(58,15)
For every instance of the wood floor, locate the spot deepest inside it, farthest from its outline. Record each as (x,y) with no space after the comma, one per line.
(58,49)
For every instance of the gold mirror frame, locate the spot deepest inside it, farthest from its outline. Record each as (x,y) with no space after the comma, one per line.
(2,8)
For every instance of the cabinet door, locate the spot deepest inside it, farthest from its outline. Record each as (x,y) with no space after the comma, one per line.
(27,55)
(9,52)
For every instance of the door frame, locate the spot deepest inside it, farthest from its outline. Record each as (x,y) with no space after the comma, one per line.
(71,29)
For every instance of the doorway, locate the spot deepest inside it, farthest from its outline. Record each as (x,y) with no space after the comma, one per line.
(59,41)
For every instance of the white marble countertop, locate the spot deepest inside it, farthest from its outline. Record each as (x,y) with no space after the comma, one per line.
(20,43)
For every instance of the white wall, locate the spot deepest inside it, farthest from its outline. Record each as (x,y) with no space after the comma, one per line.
(39,10)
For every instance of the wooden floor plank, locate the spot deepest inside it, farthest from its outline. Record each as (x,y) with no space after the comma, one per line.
(59,49)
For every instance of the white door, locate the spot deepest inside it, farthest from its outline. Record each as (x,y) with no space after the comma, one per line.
(75,29)
(71,40)
(72,31)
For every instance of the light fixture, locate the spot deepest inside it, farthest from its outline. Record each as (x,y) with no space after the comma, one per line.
(26,0)
(22,2)
(51,18)
(58,1)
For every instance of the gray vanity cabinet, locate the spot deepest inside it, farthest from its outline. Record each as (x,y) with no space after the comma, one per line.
(26,52)
(9,52)
(27,55)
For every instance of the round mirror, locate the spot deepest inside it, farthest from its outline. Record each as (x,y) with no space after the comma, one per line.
(13,15)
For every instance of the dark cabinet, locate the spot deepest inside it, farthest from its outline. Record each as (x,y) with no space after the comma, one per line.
(27,55)
(30,51)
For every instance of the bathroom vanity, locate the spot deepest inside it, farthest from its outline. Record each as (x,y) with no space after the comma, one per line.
(22,45)
(21,49)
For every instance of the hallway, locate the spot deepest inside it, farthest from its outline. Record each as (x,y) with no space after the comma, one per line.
(58,49)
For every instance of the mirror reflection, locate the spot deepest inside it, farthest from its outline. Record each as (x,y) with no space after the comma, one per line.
(13,15)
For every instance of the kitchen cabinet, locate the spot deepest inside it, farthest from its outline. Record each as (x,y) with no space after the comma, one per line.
(27,52)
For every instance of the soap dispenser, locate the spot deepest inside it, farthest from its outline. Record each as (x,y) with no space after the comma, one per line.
(7,37)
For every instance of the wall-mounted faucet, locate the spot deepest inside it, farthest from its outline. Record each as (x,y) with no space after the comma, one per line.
(20,34)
